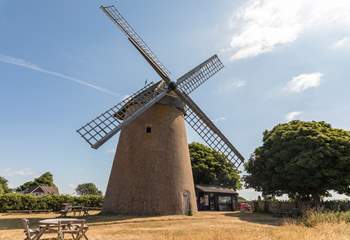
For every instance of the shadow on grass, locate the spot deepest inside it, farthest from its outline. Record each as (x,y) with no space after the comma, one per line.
(259,218)
(106,219)
(14,222)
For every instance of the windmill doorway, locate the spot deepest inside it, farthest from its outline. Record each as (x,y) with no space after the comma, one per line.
(186,203)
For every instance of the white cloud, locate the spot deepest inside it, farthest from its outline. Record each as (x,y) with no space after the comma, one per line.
(8,172)
(293,115)
(261,25)
(303,81)
(229,85)
(342,43)
(238,83)
(25,64)
(219,119)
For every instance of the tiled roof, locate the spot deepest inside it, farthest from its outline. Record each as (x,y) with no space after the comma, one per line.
(44,189)
(215,189)
(50,190)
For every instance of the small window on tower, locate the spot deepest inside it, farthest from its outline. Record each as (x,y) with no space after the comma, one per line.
(148,129)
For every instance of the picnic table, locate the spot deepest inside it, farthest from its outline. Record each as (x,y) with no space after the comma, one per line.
(80,209)
(76,210)
(75,227)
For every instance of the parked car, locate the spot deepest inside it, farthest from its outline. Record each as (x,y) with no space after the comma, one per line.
(245,207)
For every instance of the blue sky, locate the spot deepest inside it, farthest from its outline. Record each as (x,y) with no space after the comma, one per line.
(63,62)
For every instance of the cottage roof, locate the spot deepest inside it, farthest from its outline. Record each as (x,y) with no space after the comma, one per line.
(215,189)
(43,189)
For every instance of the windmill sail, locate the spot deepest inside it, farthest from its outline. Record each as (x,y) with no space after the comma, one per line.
(197,76)
(106,125)
(215,139)
(137,41)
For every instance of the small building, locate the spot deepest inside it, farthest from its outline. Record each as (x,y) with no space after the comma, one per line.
(42,190)
(215,198)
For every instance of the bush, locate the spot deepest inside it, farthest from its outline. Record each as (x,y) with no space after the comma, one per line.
(17,201)
(313,218)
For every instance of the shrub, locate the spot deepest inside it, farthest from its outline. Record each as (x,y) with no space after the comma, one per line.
(17,201)
(313,218)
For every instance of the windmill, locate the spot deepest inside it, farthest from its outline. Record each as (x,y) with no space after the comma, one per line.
(151,172)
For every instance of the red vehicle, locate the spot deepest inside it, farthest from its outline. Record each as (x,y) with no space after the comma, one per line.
(245,207)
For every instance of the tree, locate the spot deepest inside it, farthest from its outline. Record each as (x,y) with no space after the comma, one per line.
(302,159)
(45,179)
(212,168)
(87,189)
(3,186)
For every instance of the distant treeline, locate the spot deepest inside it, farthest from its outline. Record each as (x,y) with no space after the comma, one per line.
(17,201)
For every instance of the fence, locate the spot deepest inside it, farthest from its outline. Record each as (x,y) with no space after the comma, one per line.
(278,207)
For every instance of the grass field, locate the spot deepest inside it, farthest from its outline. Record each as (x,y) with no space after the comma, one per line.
(202,226)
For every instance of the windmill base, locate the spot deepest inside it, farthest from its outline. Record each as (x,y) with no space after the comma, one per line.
(151,173)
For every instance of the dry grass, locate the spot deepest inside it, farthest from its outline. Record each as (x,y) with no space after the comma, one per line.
(312,218)
(203,226)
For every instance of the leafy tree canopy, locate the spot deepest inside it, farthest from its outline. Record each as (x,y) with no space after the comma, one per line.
(87,189)
(302,159)
(212,168)
(44,180)
(3,186)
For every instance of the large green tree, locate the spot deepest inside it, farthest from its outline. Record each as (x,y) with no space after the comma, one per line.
(44,180)
(3,186)
(302,159)
(212,168)
(87,189)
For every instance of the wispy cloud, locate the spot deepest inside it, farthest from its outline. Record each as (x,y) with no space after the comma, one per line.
(342,43)
(219,119)
(238,83)
(8,172)
(229,85)
(262,25)
(26,64)
(293,115)
(303,81)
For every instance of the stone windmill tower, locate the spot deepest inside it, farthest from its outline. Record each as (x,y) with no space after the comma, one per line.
(152,172)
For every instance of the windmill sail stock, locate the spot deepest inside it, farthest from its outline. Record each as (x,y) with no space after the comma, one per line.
(137,41)
(197,76)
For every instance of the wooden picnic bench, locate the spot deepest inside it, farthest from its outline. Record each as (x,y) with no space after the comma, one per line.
(76,210)
(77,228)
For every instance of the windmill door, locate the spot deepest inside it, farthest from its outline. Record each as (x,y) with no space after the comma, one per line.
(186,203)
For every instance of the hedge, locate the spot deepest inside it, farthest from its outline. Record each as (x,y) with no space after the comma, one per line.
(17,201)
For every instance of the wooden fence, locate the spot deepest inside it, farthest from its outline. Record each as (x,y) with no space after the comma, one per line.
(284,207)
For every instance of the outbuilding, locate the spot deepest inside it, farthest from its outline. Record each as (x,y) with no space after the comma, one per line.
(42,190)
(216,198)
